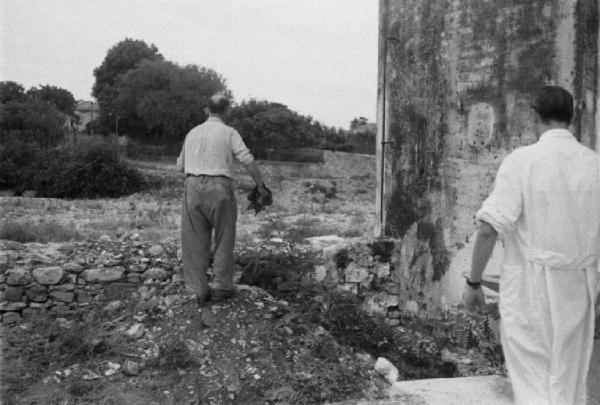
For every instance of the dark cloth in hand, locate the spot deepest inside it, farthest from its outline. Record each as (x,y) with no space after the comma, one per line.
(257,203)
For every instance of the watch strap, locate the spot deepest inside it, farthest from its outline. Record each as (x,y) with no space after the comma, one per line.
(473,284)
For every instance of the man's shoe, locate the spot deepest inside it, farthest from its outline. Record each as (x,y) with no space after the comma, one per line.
(218,294)
(202,299)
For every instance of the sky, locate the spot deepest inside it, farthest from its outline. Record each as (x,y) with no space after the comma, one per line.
(319,57)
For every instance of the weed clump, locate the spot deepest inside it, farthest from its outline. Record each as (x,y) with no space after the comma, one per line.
(175,354)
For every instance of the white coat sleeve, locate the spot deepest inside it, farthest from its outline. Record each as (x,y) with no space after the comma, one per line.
(503,207)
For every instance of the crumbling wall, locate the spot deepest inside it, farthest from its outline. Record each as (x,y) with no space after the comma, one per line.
(459,76)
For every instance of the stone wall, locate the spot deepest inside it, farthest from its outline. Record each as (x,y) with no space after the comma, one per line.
(61,277)
(459,75)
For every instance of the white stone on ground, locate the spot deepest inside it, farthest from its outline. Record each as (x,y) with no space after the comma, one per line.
(384,367)
(136,331)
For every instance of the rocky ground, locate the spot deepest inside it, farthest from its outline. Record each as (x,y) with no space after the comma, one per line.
(156,346)
(295,343)
(282,339)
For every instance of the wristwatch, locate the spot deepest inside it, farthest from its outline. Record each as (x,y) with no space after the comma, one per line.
(474,285)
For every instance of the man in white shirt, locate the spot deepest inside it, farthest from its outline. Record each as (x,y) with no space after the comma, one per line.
(209,202)
(545,206)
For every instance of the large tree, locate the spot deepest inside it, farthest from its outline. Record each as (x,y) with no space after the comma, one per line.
(11,91)
(22,113)
(63,99)
(160,101)
(122,57)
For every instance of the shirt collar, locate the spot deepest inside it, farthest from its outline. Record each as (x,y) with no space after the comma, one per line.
(557,133)
(214,119)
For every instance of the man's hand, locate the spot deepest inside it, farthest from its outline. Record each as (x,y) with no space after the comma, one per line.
(474,300)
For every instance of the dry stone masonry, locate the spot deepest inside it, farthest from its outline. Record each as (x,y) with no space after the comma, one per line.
(61,277)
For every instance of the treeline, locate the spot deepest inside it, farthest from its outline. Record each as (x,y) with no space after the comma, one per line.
(42,113)
(156,102)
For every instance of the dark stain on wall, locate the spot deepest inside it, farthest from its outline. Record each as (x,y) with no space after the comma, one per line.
(417,110)
(586,64)
(433,233)
(418,107)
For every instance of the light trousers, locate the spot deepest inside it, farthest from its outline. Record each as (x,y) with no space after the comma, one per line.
(209,205)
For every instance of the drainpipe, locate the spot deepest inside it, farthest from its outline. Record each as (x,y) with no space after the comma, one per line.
(383,131)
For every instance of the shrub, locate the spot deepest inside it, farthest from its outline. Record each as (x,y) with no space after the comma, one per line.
(43,232)
(291,155)
(92,173)
(18,164)
(92,170)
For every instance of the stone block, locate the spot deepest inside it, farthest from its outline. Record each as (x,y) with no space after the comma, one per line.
(13,294)
(40,305)
(382,270)
(350,287)
(10,318)
(94,287)
(136,331)
(48,275)
(18,277)
(115,291)
(12,306)
(356,274)
(156,250)
(65,287)
(3,262)
(378,304)
(31,312)
(113,306)
(320,273)
(61,308)
(103,274)
(62,296)
(83,297)
(137,268)
(72,267)
(134,278)
(155,273)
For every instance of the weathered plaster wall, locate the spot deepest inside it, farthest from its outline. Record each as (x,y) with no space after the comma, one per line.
(459,75)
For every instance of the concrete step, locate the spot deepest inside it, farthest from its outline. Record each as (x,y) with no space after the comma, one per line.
(489,390)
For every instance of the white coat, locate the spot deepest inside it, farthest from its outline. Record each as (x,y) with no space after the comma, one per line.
(545,205)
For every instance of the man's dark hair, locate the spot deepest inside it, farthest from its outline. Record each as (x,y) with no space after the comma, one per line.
(217,104)
(553,103)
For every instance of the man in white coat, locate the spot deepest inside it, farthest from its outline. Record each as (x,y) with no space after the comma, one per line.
(545,206)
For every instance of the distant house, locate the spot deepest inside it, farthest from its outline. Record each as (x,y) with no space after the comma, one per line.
(86,112)
(370,127)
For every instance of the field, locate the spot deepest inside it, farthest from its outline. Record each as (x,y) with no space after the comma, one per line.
(308,206)
(262,349)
